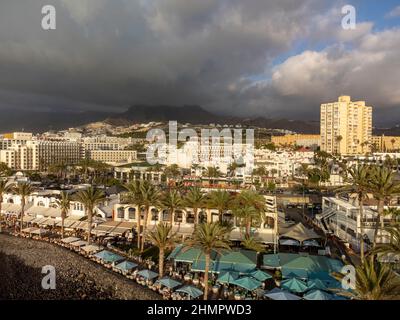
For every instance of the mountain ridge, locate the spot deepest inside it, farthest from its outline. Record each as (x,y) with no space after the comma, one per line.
(194,114)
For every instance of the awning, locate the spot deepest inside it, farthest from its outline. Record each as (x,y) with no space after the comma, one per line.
(126,265)
(248,283)
(122,228)
(260,275)
(318,295)
(27,218)
(311,243)
(169,283)
(294,285)
(108,256)
(228,276)
(48,222)
(39,232)
(192,291)
(279,294)
(301,233)
(70,239)
(271,261)
(191,255)
(39,220)
(289,242)
(79,243)
(92,248)
(316,284)
(53,212)
(67,223)
(82,225)
(147,274)
(11,208)
(28,230)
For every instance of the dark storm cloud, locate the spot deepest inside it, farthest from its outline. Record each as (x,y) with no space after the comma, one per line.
(110,54)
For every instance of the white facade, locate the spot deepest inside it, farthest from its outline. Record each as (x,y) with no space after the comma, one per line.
(183,220)
(342,218)
(39,154)
(113,156)
(346,126)
(282,163)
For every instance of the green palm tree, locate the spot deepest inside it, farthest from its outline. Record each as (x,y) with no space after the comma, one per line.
(150,196)
(394,212)
(134,196)
(338,141)
(163,238)
(4,169)
(212,172)
(252,244)
(208,237)
(64,203)
(249,207)
(358,178)
(172,201)
(172,171)
(194,199)
(86,166)
(24,190)
(374,281)
(90,198)
(220,200)
(383,187)
(246,215)
(393,247)
(4,187)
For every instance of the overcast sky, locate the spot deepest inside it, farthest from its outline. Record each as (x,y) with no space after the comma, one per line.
(271,58)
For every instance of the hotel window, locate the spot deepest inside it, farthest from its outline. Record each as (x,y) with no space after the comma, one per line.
(154,214)
(120,213)
(132,213)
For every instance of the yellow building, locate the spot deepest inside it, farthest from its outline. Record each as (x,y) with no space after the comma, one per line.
(346,126)
(385,143)
(304,140)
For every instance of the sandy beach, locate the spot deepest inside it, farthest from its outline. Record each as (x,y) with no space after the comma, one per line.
(21,262)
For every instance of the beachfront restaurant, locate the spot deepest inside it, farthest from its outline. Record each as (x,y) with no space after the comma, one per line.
(192,260)
(304,267)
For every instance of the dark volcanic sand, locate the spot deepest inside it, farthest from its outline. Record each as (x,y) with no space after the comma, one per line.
(21,262)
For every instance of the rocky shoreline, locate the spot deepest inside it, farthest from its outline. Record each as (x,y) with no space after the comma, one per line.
(21,262)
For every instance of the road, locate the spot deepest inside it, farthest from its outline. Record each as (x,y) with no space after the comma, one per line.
(337,248)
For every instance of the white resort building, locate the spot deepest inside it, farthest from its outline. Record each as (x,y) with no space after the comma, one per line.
(183,220)
(341,217)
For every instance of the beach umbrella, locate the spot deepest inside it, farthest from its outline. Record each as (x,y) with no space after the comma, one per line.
(169,283)
(248,283)
(228,276)
(316,284)
(91,248)
(279,294)
(260,275)
(147,274)
(191,291)
(317,295)
(126,265)
(294,285)
(70,239)
(108,256)
(289,242)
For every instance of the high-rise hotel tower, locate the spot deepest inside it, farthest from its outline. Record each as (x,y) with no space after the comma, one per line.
(346,127)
